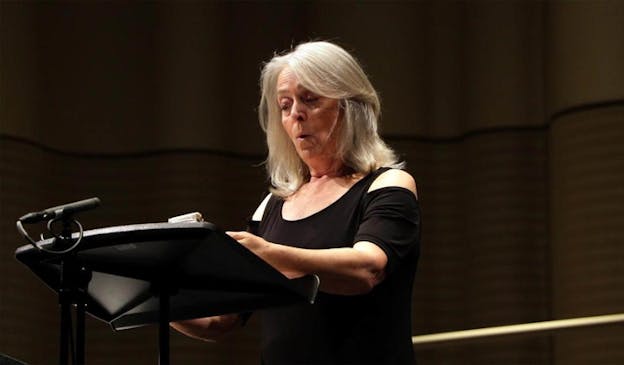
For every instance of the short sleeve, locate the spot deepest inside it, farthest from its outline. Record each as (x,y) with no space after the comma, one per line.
(391,220)
(253,226)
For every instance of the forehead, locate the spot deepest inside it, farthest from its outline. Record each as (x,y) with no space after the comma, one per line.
(287,81)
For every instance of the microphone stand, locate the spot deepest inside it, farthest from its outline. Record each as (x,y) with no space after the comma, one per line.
(72,289)
(73,278)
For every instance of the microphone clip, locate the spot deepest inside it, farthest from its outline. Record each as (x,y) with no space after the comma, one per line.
(63,242)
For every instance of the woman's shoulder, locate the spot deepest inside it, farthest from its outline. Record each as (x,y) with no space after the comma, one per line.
(257,216)
(394,178)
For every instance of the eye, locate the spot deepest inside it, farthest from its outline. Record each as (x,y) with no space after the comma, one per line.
(309,98)
(284,104)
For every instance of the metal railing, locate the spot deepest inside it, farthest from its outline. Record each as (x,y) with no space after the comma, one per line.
(544,326)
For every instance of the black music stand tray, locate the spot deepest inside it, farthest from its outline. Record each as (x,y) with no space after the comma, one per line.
(135,275)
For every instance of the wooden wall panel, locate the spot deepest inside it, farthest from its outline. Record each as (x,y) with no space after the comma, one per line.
(585,91)
(587,191)
(485,258)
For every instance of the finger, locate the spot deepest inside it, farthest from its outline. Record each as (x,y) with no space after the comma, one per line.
(235,235)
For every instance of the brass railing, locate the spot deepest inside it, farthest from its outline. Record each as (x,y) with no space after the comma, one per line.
(555,325)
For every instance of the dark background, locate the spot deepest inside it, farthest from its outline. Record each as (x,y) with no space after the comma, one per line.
(510,115)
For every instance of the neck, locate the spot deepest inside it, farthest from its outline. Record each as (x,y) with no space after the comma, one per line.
(334,168)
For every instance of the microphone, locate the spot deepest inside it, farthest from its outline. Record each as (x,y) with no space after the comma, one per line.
(60,211)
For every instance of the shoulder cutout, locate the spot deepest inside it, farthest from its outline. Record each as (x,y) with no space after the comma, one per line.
(394,177)
(257,216)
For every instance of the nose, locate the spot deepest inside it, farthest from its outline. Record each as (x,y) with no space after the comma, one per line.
(298,112)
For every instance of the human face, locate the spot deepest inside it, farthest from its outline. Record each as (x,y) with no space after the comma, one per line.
(310,120)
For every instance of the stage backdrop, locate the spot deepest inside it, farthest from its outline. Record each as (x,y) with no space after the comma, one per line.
(510,116)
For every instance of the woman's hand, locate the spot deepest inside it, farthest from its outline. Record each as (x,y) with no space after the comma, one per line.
(251,241)
(267,251)
(207,328)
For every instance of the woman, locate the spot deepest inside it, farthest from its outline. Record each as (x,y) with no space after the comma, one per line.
(340,207)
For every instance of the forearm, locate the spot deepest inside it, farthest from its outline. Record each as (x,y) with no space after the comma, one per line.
(208,328)
(345,271)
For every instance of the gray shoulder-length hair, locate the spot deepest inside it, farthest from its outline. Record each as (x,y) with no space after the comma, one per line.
(327,70)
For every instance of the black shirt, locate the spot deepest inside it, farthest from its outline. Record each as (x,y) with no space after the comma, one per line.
(374,328)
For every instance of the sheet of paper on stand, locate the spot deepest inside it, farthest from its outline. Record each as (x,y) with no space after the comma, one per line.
(189,217)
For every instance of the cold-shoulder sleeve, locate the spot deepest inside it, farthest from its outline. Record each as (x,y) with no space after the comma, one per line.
(253,226)
(391,220)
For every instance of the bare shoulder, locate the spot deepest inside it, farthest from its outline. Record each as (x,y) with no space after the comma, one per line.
(397,178)
(257,216)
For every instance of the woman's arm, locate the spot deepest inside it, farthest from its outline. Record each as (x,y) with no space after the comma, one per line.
(346,270)
(208,328)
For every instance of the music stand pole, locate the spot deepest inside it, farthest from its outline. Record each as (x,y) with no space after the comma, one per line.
(72,290)
(163,327)
(65,304)
(80,328)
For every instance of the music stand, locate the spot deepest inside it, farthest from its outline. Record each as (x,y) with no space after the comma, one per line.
(135,275)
